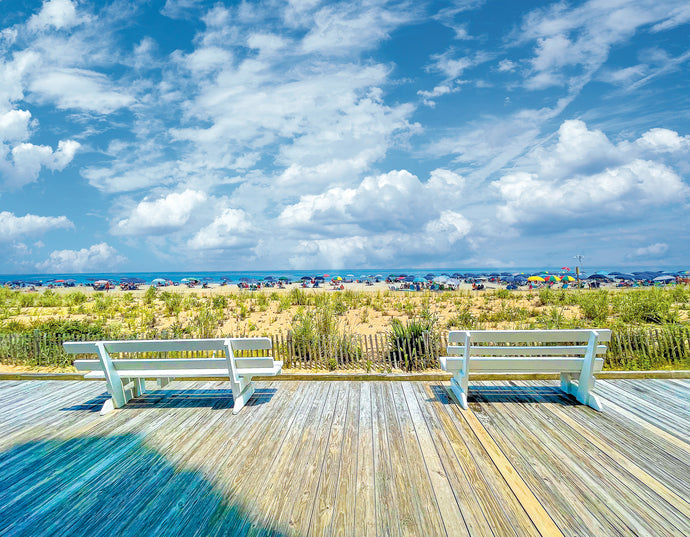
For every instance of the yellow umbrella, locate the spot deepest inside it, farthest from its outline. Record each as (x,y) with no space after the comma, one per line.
(535,279)
(567,278)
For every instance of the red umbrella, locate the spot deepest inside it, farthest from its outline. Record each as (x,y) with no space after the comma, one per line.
(565,268)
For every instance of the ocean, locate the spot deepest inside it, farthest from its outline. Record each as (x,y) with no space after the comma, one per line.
(294,275)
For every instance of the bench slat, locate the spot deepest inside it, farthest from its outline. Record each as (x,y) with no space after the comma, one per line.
(564,350)
(124,365)
(177,373)
(168,345)
(520,365)
(527,336)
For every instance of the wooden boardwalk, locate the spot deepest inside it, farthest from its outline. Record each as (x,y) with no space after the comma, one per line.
(346,458)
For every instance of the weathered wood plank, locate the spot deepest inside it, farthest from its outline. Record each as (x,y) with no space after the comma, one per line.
(453,519)
(501,508)
(365,501)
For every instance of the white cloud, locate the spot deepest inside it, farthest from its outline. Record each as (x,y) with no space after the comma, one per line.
(57,14)
(160,216)
(349,27)
(14,125)
(506,66)
(584,178)
(230,229)
(13,227)
(653,250)
(79,89)
(27,160)
(664,141)
(572,43)
(99,257)
(396,200)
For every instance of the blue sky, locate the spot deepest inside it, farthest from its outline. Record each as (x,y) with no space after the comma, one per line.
(191,135)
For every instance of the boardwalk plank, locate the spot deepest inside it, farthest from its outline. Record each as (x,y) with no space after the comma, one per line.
(501,508)
(453,519)
(365,501)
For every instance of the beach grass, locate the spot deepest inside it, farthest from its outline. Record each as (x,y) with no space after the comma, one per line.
(651,323)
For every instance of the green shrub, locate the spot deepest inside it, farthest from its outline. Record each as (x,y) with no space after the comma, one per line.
(645,306)
(150,294)
(49,299)
(77,297)
(594,305)
(409,342)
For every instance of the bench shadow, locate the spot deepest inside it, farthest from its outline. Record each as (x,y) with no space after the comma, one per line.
(116,485)
(508,394)
(164,398)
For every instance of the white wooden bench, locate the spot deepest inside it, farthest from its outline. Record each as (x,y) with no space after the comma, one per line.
(568,352)
(125,378)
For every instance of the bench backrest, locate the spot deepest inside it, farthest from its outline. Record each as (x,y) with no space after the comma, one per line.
(228,346)
(526,342)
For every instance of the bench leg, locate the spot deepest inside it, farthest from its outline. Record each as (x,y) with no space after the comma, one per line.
(163,382)
(586,398)
(567,384)
(139,387)
(107,407)
(240,399)
(460,393)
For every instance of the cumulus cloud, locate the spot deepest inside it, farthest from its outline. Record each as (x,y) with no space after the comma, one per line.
(585,178)
(57,14)
(14,125)
(162,215)
(13,227)
(22,165)
(231,228)
(395,200)
(99,257)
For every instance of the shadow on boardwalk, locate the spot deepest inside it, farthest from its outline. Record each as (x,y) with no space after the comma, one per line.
(115,485)
(213,399)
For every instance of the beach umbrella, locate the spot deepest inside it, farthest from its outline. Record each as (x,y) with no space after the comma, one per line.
(535,279)
(319,278)
(565,268)
(283,278)
(552,278)
(430,276)
(338,278)
(409,278)
(597,277)
(441,279)
(305,278)
(622,276)
(420,280)
(568,278)
(664,278)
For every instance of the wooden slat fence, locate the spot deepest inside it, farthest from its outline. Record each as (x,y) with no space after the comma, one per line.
(630,348)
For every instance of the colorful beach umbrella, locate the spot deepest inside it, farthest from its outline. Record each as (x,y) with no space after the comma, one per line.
(568,278)
(535,279)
